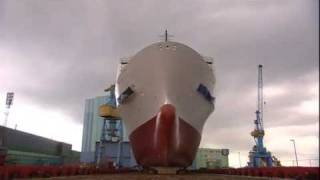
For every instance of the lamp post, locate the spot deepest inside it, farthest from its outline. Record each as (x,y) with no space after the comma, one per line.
(239,159)
(295,151)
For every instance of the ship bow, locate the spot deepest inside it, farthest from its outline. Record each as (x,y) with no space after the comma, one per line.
(165,140)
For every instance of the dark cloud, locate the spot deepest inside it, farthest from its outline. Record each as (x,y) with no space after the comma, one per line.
(57,53)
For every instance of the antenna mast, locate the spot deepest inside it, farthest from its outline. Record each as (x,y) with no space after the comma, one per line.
(166,36)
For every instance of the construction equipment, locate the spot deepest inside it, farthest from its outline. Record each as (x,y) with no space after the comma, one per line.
(110,131)
(259,156)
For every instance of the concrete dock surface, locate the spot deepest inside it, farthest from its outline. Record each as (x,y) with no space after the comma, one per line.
(139,176)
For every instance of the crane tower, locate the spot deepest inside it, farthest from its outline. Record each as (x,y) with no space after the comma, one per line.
(259,156)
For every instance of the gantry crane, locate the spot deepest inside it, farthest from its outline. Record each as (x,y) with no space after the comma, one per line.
(259,156)
(110,131)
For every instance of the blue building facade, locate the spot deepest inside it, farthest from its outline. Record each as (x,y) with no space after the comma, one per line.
(104,140)
(92,127)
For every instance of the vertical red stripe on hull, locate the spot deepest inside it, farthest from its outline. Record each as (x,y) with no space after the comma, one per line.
(165,140)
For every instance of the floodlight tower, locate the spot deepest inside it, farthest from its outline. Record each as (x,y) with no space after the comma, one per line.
(9,101)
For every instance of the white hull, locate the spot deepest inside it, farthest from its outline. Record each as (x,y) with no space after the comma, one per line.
(165,73)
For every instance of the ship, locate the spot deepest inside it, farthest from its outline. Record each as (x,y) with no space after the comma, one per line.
(165,94)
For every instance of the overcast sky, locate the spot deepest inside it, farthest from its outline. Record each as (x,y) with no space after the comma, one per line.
(55,54)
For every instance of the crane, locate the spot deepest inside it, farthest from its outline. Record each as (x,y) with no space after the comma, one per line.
(111,132)
(259,156)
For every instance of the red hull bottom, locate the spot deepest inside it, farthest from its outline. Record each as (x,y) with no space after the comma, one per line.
(165,140)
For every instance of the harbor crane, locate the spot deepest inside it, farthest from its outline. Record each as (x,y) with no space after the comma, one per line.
(259,156)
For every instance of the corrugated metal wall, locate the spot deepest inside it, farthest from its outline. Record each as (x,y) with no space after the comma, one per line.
(92,127)
(17,147)
(21,141)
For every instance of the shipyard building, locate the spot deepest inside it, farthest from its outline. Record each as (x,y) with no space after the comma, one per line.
(92,127)
(104,140)
(211,158)
(17,147)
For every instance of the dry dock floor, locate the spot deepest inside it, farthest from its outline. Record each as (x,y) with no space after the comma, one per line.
(138,176)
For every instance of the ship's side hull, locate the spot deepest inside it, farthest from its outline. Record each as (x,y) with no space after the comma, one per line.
(165,114)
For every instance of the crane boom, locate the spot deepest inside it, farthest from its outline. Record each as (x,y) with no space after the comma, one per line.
(260,98)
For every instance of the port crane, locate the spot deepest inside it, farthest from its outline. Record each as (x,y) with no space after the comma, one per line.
(111,132)
(259,156)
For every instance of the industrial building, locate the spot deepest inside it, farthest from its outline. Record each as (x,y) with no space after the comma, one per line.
(92,127)
(17,147)
(104,138)
(211,158)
